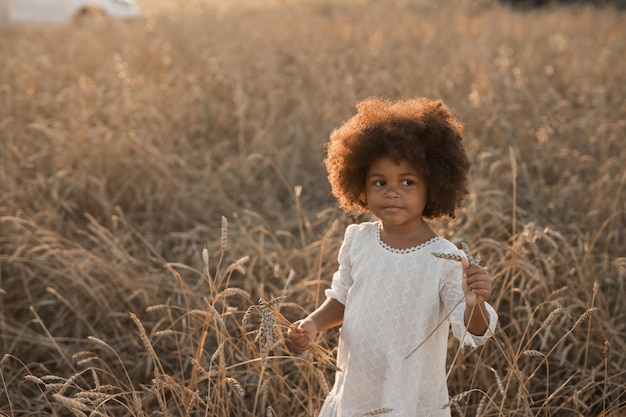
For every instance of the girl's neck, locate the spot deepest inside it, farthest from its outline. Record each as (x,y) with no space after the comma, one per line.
(403,237)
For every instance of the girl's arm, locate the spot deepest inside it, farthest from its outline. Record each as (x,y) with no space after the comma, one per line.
(477,321)
(329,314)
(477,289)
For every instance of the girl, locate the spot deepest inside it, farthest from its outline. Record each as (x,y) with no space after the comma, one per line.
(403,162)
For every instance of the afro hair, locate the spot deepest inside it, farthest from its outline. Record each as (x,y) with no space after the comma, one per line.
(421,131)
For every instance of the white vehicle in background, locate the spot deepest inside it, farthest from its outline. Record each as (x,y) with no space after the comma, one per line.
(63,11)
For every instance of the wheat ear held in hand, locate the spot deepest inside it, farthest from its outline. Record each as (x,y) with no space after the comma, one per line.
(473,259)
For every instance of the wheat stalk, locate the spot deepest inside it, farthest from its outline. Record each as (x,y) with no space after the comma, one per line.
(473,259)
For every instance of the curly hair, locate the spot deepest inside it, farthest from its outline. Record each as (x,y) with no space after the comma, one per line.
(421,131)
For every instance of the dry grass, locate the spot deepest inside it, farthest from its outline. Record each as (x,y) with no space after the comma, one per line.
(161,180)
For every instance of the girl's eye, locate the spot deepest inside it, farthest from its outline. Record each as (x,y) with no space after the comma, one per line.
(408,182)
(379,183)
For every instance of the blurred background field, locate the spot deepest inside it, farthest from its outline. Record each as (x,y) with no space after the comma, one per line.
(163,205)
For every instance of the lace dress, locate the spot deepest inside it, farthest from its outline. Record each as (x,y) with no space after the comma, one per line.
(396,300)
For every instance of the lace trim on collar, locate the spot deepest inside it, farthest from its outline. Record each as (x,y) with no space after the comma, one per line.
(402,251)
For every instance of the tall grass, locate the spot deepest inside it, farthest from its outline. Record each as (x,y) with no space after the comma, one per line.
(164,214)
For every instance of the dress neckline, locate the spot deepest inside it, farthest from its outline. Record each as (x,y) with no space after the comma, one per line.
(405,250)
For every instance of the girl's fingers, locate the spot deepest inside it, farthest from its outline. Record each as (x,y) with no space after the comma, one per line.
(302,343)
(478,278)
(299,337)
(482,292)
(479,284)
(294,335)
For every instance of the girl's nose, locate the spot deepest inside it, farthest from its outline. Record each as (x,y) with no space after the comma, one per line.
(391,191)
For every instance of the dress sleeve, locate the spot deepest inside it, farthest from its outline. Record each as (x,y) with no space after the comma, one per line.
(342,278)
(451,293)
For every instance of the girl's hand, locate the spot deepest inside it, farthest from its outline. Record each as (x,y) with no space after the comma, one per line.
(302,333)
(476,284)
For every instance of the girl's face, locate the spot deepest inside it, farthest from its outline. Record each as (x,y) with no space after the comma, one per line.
(396,192)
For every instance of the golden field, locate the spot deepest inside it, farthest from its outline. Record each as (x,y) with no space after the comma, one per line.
(164,212)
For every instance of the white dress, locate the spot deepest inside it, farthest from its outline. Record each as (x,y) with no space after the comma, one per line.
(396,300)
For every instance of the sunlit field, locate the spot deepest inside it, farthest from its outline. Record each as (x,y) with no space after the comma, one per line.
(165,215)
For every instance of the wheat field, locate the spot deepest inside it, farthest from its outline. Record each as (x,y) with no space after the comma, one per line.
(165,215)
